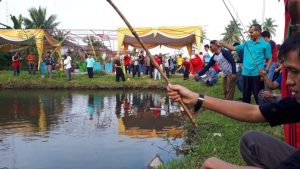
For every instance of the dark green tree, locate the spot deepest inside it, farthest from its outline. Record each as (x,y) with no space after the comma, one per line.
(232,33)
(38,19)
(270,26)
(18,22)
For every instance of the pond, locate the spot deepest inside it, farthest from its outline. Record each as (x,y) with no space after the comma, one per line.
(49,129)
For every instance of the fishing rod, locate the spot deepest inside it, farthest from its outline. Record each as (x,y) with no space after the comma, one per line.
(151,58)
(251,55)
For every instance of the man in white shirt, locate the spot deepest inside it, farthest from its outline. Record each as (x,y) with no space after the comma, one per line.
(67,65)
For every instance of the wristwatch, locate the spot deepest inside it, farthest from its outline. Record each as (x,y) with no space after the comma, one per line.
(198,105)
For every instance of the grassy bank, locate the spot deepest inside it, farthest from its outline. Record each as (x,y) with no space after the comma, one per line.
(215,135)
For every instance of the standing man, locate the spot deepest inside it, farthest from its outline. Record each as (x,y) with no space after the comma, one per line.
(31,63)
(16,63)
(49,62)
(254,60)
(68,66)
(119,71)
(157,74)
(179,61)
(127,60)
(206,56)
(90,62)
(226,62)
(267,36)
(166,65)
(148,65)
(136,67)
(142,62)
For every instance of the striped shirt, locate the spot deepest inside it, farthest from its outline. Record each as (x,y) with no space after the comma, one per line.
(223,64)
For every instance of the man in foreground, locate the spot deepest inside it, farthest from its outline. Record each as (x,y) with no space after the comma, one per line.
(257,149)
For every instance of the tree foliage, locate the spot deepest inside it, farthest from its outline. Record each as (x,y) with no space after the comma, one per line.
(270,26)
(38,19)
(232,33)
(18,22)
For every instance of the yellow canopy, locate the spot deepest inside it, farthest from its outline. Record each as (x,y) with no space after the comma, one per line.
(23,36)
(173,37)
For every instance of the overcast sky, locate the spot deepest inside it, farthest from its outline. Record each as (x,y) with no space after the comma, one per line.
(98,14)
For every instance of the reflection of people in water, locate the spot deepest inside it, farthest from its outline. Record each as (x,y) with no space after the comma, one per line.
(91,106)
(118,104)
(155,110)
(127,106)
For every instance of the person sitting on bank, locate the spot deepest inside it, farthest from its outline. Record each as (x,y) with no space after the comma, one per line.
(258,150)
(210,78)
(266,95)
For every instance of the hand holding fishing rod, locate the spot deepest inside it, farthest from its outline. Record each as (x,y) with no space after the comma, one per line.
(151,58)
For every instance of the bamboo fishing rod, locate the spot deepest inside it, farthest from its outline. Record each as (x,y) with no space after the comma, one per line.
(151,58)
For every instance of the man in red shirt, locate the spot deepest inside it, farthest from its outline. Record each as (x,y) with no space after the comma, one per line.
(186,65)
(127,60)
(156,72)
(16,63)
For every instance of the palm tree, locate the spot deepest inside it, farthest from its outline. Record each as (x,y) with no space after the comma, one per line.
(254,21)
(17,21)
(232,33)
(269,26)
(38,19)
(203,35)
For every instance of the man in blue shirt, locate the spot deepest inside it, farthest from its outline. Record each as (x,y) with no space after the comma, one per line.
(256,52)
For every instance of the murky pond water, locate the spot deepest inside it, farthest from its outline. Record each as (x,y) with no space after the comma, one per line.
(49,129)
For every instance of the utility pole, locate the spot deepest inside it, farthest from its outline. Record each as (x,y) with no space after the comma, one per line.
(263,11)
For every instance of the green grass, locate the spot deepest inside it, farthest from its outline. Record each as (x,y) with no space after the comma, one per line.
(203,143)
(58,81)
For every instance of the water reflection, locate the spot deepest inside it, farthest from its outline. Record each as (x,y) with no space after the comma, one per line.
(146,115)
(60,128)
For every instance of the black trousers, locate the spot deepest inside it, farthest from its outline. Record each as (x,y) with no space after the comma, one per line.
(186,74)
(119,73)
(264,151)
(128,69)
(167,70)
(90,72)
(251,85)
(136,69)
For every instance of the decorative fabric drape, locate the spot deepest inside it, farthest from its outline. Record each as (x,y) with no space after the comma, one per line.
(173,37)
(15,38)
